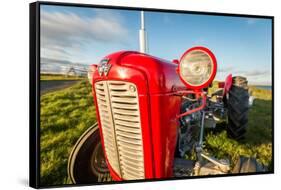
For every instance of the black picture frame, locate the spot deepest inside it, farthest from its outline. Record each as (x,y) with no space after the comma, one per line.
(34,83)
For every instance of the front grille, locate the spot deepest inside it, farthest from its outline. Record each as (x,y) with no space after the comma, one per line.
(107,125)
(120,119)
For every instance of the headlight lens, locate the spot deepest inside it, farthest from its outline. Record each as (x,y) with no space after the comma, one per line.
(197,67)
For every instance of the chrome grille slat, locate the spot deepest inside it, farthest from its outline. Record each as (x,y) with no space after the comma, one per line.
(119,93)
(126,118)
(128,176)
(101,99)
(132,168)
(102,96)
(129,135)
(124,99)
(133,162)
(128,146)
(127,129)
(102,103)
(125,106)
(99,87)
(131,172)
(131,158)
(126,112)
(120,119)
(129,140)
(131,152)
(100,92)
(127,123)
(107,125)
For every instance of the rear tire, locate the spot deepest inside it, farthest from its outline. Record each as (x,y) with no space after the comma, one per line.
(238,108)
(86,163)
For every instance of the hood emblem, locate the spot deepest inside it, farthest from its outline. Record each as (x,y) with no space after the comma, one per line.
(104,67)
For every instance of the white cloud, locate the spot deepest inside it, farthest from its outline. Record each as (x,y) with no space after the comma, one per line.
(49,65)
(256,76)
(71,27)
(226,69)
(64,35)
(257,73)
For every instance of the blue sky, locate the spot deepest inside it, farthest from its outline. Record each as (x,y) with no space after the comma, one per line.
(241,45)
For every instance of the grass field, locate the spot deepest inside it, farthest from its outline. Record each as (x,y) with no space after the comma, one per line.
(45,77)
(67,113)
(258,140)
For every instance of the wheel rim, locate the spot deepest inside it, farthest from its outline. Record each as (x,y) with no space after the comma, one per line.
(98,163)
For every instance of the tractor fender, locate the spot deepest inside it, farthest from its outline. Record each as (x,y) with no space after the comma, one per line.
(227,85)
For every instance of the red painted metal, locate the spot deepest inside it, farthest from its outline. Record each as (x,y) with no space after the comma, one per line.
(198,94)
(221,84)
(159,87)
(176,61)
(212,56)
(227,84)
(156,81)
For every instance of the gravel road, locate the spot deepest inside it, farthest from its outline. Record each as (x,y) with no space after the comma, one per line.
(52,85)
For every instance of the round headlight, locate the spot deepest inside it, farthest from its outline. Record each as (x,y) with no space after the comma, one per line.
(197,67)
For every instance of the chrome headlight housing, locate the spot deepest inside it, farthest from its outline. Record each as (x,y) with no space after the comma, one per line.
(197,67)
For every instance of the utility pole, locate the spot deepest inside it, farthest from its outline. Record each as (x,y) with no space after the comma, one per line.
(142,35)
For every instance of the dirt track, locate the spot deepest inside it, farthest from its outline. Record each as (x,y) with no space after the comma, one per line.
(52,85)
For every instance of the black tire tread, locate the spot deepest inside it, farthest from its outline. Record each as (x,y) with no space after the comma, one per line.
(238,108)
(78,167)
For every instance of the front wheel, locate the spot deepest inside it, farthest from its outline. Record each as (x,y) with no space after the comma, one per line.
(86,162)
(238,108)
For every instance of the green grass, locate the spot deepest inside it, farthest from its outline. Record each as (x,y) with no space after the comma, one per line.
(65,115)
(59,77)
(258,140)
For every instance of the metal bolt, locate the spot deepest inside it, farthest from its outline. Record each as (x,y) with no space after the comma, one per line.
(132,88)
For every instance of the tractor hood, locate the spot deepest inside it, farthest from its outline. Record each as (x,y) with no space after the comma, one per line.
(159,75)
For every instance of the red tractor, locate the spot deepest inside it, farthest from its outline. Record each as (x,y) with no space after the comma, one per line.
(152,112)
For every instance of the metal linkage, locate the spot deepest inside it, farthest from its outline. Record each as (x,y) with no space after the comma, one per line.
(202,130)
(223,165)
(202,106)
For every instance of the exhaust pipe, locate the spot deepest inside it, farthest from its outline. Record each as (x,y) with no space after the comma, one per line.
(142,35)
